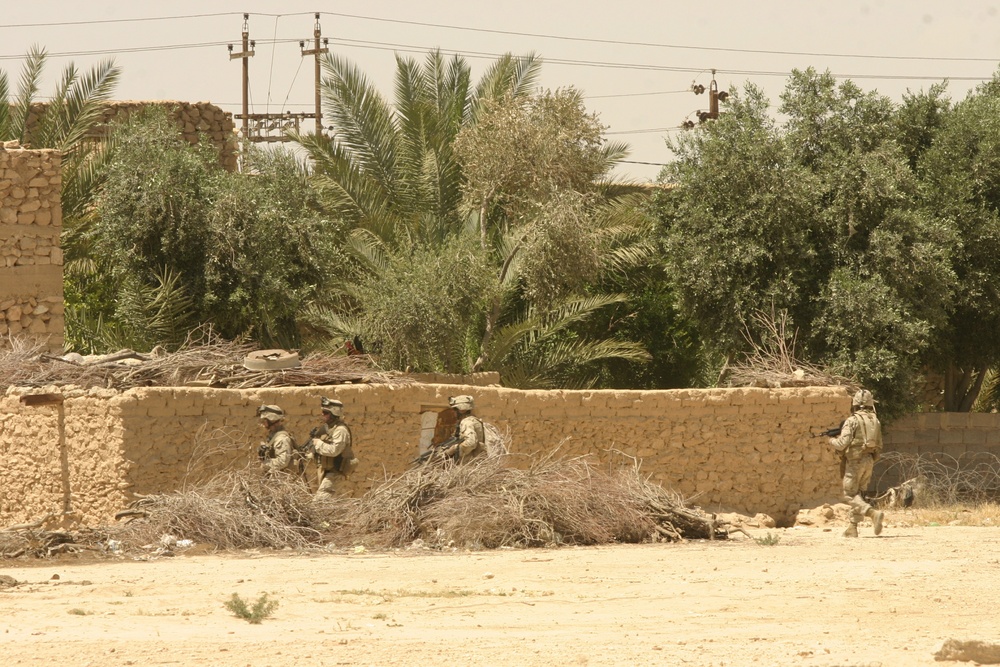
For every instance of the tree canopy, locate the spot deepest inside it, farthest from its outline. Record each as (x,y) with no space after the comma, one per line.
(870,224)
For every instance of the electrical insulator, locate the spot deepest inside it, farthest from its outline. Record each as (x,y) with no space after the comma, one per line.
(697,88)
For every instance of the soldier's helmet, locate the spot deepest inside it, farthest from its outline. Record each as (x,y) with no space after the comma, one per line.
(271,413)
(463,403)
(332,406)
(864,399)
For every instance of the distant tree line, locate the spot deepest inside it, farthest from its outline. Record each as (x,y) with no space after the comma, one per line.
(463,226)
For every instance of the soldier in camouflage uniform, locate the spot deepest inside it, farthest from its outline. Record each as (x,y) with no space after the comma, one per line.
(277,453)
(331,443)
(859,445)
(468,430)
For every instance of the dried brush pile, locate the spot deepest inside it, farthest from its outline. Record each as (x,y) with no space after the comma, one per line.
(772,361)
(486,504)
(203,361)
(233,510)
(35,540)
(481,505)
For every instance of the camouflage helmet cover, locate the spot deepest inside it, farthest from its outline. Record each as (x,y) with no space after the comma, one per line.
(271,413)
(863,399)
(461,402)
(332,405)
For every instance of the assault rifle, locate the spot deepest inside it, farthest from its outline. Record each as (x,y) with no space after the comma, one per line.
(830,432)
(435,450)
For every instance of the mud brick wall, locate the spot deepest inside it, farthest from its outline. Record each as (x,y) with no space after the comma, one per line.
(746,450)
(31,296)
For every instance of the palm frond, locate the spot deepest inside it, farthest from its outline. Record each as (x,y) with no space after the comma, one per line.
(5,130)
(31,74)
(363,121)
(506,75)
(574,310)
(84,103)
(345,190)
(368,247)
(532,327)
(614,152)
(51,123)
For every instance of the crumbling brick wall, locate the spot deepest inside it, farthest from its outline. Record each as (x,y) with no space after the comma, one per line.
(735,449)
(31,292)
(194,121)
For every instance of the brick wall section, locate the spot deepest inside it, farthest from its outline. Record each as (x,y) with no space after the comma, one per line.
(963,438)
(747,450)
(31,296)
(952,433)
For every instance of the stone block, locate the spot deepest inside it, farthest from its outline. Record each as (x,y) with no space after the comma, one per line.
(974,437)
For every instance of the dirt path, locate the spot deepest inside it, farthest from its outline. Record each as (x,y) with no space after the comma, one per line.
(814,599)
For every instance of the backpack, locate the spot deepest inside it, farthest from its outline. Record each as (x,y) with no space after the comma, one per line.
(495,441)
(346,462)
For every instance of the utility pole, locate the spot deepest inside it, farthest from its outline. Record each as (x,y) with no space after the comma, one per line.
(714,97)
(272,127)
(315,52)
(245,54)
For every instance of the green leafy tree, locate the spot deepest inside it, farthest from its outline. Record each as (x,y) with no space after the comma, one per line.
(177,241)
(961,175)
(819,218)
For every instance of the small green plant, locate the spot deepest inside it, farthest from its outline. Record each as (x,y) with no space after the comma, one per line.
(768,540)
(260,610)
(77,612)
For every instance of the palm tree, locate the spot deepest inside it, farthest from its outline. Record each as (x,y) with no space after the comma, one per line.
(440,286)
(65,123)
(390,168)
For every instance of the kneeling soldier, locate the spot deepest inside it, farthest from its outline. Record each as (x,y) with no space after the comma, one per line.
(469,431)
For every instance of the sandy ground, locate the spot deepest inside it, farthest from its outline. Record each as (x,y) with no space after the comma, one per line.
(814,598)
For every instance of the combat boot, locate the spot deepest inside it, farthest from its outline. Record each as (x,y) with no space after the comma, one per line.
(852,530)
(877,518)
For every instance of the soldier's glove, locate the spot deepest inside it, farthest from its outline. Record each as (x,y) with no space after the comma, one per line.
(262,452)
(451,451)
(309,450)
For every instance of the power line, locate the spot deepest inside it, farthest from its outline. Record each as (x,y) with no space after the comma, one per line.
(649,130)
(616,42)
(144,19)
(410,48)
(655,45)
(659,92)
(55,24)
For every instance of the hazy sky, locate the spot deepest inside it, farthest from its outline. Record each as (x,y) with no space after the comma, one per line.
(634,61)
